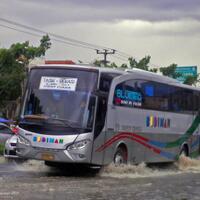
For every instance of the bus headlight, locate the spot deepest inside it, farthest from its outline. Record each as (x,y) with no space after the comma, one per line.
(78,145)
(23,141)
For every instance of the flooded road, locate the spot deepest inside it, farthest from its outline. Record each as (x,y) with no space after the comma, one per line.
(34,180)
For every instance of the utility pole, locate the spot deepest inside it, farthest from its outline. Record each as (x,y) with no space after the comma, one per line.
(105,52)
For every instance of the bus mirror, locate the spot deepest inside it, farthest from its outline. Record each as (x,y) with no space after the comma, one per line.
(100,93)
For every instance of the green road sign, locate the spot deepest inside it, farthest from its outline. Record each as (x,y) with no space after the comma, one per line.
(186,71)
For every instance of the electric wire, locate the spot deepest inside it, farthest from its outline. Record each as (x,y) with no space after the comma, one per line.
(92,46)
(38,35)
(66,40)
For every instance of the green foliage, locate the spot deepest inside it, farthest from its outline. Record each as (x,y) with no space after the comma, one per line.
(13,67)
(191,80)
(170,71)
(97,63)
(141,64)
(124,66)
(113,65)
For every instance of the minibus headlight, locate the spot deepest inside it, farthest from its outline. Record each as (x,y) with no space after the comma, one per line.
(23,141)
(78,145)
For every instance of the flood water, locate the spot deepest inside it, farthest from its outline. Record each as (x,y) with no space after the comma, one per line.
(184,165)
(33,180)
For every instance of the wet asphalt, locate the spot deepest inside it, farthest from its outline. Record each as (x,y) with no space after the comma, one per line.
(33,180)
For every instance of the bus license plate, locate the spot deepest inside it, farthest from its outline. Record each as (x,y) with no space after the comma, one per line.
(47,156)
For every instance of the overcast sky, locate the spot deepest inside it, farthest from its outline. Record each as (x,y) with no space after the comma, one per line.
(167,30)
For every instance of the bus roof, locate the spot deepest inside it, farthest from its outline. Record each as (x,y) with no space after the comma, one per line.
(160,78)
(89,67)
(137,73)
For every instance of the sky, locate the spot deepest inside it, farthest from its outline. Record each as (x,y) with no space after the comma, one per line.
(167,30)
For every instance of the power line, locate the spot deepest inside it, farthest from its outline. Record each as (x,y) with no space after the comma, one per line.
(67,40)
(37,35)
(120,58)
(124,54)
(70,41)
(89,45)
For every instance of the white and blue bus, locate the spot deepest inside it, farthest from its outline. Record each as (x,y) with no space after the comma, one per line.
(95,116)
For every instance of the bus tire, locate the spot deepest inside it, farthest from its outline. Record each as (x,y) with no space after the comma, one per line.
(51,164)
(120,156)
(184,151)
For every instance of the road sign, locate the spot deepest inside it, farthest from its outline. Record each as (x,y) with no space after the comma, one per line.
(186,71)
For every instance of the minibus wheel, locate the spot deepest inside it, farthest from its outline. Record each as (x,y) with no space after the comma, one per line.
(120,156)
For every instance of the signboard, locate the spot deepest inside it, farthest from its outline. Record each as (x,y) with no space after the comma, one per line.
(57,83)
(186,71)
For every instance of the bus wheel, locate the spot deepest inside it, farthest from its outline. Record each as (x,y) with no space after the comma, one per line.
(120,156)
(51,164)
(184,151)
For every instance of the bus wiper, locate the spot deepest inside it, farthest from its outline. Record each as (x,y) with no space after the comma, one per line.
(37,117)
(44,118)
(64,121)
(31,123)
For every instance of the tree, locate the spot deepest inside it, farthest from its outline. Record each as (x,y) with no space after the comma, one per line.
(192,80)
(97,63)
(141,64)
(13,67)
(170,71)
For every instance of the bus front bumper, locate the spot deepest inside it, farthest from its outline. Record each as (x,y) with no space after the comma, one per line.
(54,155)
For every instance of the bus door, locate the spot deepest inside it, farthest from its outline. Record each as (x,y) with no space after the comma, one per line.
(98,154)
(99,131)
(122,118)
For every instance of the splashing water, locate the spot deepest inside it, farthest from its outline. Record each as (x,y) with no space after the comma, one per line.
(184,164)
(31,165)
(188,164)
(134,171)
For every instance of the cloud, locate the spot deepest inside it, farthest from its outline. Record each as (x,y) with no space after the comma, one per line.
(168,30)
(182,28)
(43,12)
(167,42)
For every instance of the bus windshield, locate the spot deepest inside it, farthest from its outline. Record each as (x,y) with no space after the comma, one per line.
(61,96)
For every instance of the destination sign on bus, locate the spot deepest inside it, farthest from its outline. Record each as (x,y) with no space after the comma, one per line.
(58,83)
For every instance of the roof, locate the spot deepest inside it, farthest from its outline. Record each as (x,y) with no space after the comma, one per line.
(62,62)
(90,67)
(137,73)
(160,78)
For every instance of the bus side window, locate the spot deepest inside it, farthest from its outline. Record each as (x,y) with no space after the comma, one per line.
(128,94)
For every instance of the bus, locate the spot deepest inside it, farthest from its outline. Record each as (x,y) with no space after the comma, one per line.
(88,115)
